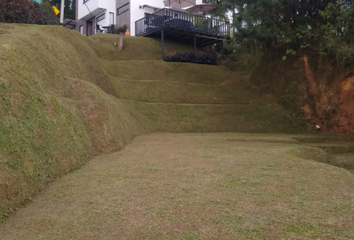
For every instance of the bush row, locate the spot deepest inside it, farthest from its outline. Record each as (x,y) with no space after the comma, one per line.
(192,58)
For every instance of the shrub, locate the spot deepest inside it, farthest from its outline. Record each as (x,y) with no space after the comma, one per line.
(119,30)
(338,33)
(26,11)
(192,58)
(46,15)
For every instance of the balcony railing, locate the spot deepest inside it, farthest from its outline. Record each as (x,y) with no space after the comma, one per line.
(183,21)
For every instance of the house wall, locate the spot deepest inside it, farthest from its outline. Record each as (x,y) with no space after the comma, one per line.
(106,21)
(138,12)
(80,22)
(98,7)
(124,18)
(91,28)
(83,10)
(92,9)
(110,6)
(84,25)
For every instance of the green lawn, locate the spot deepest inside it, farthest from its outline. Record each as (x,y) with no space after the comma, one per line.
(195,186)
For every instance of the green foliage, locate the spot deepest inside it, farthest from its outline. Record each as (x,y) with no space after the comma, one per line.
(45,14)
(325,26)
(228,46)
(290,52)
(24,11)
(338,33)
(278,23)
(222,8)
(121,29)
(69,9)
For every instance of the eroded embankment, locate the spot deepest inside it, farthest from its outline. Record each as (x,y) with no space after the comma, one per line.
(312,87)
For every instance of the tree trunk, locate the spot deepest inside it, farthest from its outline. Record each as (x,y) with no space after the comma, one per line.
(120,41)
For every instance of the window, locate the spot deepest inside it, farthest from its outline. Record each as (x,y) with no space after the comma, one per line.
(123,9)
(100,17)
(81,29)
(111,18)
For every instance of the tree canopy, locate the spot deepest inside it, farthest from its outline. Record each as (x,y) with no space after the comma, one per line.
(25,11)
(69,10)
(294,24)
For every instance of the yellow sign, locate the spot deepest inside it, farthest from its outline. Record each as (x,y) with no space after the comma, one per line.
(56,10)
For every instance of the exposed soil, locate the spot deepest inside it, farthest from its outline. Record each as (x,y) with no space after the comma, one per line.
(330,97)
(312,87)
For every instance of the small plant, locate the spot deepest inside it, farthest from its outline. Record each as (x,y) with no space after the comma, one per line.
(121,29)
(290,52)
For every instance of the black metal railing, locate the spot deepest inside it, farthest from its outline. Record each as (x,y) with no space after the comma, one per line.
(183,20)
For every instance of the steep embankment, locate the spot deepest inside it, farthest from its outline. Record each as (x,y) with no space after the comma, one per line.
(311,86)
(65,98)
(55,109)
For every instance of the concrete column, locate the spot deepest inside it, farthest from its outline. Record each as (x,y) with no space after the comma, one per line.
(62,12)
(162,44)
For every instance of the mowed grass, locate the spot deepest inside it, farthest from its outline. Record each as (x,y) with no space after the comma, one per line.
(160,70)
(227,92)
(105,47)
(213,117)
(65,98)
(194,186)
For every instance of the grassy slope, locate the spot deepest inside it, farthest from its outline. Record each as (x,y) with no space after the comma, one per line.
(53,114)
(133,47)
(145,79)
(58,107)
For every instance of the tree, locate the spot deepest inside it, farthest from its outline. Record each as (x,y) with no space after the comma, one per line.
(223,8)
(25,11)
(46,15)
(262,24)
(69,9)
(338,32)
(121,31)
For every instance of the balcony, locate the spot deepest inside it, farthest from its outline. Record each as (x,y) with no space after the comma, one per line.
(89,8)
(182,26)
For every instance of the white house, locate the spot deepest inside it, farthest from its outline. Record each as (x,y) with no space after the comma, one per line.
(90,13)
(93,16)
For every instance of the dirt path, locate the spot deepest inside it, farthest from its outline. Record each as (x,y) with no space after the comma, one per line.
(194,186)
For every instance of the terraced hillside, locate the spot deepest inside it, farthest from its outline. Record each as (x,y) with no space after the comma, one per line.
(180,97)
(66,98)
